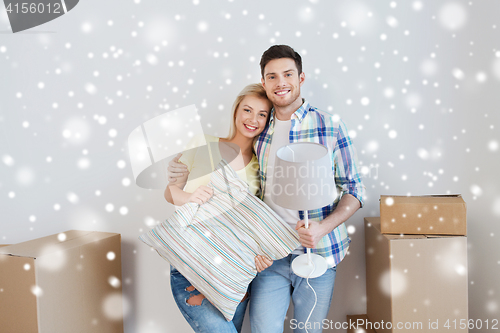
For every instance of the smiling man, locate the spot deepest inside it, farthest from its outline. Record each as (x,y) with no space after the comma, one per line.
(293,119)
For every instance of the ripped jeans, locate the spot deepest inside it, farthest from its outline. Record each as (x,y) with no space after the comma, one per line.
(205,317)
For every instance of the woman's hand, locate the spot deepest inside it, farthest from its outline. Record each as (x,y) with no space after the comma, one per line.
(261,263)
(201,195)
(176,169)
(177,175)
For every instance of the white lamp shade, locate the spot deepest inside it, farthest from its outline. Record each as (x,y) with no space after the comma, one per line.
(153,143)
(303,177)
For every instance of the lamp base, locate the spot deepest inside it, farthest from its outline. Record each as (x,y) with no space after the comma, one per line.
(303,268)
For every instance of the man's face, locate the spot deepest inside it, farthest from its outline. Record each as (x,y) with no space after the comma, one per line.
(282,82)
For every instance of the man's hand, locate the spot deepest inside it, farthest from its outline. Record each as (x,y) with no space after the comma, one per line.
(310,237)
(201,195)
(261,263)
(176,169)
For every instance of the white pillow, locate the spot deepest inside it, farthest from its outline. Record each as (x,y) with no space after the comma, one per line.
(214,244)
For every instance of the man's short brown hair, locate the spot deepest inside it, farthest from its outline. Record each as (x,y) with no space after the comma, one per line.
(278,52)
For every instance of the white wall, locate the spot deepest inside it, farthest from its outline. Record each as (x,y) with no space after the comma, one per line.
(445,125)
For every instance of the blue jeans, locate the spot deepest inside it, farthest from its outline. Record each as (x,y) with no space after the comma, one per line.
(204,318)
(271,292)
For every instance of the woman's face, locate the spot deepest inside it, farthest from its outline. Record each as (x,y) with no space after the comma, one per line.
(251,115)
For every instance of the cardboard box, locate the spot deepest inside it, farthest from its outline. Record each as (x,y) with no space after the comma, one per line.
(62,283)
(429,215)
(416,280)
(359,324)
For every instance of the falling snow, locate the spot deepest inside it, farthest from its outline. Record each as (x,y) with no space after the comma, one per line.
(415,82)
(453,15)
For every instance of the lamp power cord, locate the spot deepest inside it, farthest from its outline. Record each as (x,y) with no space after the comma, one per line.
(315,297)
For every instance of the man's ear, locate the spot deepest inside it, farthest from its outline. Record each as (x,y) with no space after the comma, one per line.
(302,78)
(263,82)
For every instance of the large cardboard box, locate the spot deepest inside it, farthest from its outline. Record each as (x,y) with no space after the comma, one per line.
(359,324)
(429,215)
(413,281)
(68,282)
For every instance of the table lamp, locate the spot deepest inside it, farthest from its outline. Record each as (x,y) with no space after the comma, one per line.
(155,142)
(304,178)
(152,144)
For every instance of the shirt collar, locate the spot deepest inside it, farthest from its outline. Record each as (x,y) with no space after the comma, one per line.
(300,114)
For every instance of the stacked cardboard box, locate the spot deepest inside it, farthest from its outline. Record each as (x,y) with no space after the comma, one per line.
(423,215)
(69,282)
(416,265)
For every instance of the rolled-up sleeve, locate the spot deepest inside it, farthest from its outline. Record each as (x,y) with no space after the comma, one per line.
(347,172)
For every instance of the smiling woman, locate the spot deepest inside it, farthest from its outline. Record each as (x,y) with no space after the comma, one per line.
(250,114)
(248,118)
(252,100)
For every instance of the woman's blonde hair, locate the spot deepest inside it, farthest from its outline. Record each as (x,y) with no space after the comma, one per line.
(254,89)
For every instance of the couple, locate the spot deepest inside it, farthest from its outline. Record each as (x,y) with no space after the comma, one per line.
(267,118)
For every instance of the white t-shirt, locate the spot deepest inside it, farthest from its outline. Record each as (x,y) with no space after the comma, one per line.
(280,139)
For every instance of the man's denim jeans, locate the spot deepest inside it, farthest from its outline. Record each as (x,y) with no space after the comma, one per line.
(270,297)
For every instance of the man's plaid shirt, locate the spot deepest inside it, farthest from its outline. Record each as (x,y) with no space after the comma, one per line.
(312,125)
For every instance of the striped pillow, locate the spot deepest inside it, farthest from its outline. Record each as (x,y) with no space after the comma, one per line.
(214,244)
